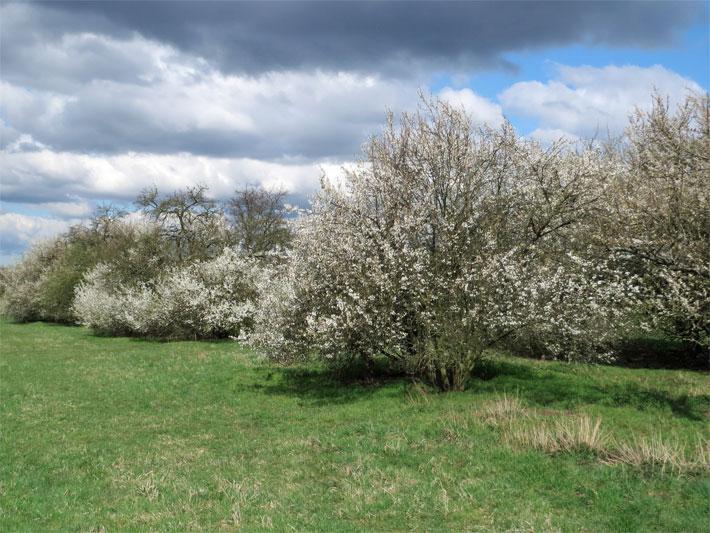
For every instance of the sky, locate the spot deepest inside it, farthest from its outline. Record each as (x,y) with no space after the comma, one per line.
(101,99)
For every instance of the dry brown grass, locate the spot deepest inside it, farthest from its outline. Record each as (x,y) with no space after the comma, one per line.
(559,436)
(525,428)
(504,409)
(654,452)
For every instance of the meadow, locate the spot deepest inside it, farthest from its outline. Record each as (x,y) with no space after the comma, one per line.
(110,434)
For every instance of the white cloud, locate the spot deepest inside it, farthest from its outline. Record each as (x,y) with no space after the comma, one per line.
(480,108)
(103,94)
(45,176)
(588,101)
(69,209)
(23,143)
(547,136)
(18,230)
(109,116)
(74,176)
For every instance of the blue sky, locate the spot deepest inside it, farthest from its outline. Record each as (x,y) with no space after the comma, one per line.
(689,57)
(101,99)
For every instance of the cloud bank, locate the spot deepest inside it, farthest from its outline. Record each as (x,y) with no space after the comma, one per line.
(100,99)
(393,37)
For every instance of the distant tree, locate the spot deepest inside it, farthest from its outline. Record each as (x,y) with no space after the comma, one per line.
(42,284)
(190,220)
(105,218)
(258,220)
(23,284)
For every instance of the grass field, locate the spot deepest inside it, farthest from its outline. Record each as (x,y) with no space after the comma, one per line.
(125,434)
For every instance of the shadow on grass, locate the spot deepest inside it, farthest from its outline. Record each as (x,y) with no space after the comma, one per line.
(319,385)
(89,333)
(656,353)
(158,340)
(548,386)
(162,340)
(9,321)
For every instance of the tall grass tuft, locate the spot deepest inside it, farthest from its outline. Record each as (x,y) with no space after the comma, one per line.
(561,436)
(653,452)
(504,409)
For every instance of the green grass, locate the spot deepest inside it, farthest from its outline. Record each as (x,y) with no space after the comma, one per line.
(125,434)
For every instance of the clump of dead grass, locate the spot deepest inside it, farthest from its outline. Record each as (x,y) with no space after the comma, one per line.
(654,452)
(522,427)
(504,409)
(559,436)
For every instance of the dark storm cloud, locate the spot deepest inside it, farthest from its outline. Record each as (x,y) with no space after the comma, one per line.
(110,77)
(254,37)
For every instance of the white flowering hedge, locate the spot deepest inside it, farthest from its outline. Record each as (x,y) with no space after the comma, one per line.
(446,241)
(24,284)
(661,206)
(212,298)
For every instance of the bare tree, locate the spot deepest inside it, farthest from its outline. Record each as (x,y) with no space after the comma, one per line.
(258,219)
(190,220)
(105,218)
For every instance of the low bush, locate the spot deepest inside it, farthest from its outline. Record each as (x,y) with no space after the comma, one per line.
(212,298)
(26,286)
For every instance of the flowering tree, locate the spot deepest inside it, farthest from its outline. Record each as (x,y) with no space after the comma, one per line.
(23,284)
(447,239)
(660,207)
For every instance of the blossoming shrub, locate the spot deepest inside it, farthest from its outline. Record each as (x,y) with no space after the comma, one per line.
(212,298)
(279,326)
(23,285)
(41,285)
(588,318)
(445,241)
(662,209)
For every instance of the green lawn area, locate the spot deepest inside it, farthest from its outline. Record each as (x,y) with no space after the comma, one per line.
(128,434)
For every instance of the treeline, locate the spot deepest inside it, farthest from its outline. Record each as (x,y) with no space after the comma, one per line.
(448,239)
(178,270)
